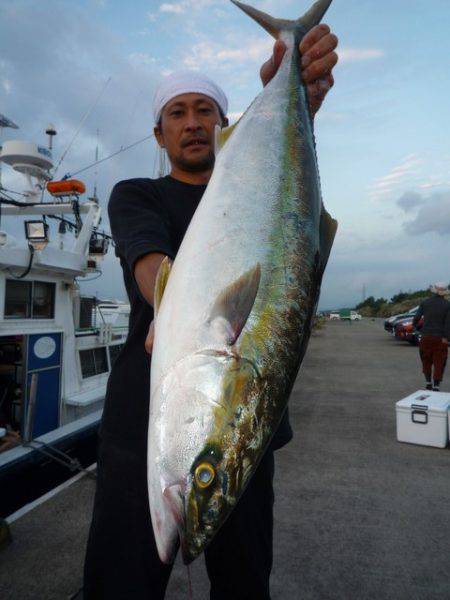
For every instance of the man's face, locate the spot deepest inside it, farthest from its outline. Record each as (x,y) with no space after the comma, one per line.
(187,131)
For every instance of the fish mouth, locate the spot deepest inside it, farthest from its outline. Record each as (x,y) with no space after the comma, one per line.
(169,521)
(174,501)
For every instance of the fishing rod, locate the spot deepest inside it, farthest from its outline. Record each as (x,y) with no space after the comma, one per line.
(69,175)
(86,115)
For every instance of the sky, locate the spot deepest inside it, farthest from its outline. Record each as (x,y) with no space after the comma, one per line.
(382,133)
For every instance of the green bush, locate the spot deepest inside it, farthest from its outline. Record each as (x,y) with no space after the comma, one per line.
(399,303)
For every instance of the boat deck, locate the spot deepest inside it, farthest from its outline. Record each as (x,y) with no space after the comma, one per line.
(357,514)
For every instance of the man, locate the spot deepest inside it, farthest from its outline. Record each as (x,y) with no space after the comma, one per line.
(435,334)
(148,221)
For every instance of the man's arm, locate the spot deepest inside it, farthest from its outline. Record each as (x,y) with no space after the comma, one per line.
(446,328)
(318,60)
(145,272)
(418,315)
(140,232)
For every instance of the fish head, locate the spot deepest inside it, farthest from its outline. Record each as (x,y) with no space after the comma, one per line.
(223,465)
(199,454)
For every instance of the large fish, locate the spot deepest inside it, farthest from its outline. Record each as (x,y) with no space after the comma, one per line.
(235,318)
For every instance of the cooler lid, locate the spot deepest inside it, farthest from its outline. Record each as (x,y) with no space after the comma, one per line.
(433,401)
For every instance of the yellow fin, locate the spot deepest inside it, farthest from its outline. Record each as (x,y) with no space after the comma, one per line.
(328,228)
(222,135)
(161,281)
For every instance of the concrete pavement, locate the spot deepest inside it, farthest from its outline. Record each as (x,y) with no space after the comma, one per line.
(357,515)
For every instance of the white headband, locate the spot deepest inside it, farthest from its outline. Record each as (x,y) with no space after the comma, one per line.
(440,288)
(187,82)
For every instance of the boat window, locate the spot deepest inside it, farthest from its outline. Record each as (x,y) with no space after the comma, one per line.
(101,364)
(18,299)
(29,299)
(43,300)
(114,352)
(93,362)
(87,308)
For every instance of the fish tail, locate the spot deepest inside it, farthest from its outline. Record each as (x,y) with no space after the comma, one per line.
(276,26)
(314,15)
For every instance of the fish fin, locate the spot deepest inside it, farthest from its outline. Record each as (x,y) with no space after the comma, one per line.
(162,277)
(314,15)
(221,136)
(232,307)
(275,26)
(328,228)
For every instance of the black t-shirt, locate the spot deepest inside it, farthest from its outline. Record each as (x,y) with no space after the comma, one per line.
(436,313)
(146,215)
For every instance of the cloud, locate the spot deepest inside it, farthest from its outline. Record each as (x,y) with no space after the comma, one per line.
(330,116)
(352,55)
(384,264)
(398,176)
(178,8)
(6,85)
(233,117)
(426,172)
(175,8)
(409,201)
(212,55)
(433,215)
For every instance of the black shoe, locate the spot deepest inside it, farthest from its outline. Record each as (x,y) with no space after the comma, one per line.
(429,386)
(436,389)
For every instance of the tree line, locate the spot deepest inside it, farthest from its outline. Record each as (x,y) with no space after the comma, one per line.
(382,307)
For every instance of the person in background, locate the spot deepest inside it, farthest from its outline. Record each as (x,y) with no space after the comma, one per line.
(435,334)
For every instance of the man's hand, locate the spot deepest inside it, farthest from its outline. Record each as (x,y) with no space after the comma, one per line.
(318,60)
(445,341)
(150,338)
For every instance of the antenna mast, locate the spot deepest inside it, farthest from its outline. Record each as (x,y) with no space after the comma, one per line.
(94,197)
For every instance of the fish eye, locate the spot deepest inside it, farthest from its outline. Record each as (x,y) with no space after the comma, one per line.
(204,475)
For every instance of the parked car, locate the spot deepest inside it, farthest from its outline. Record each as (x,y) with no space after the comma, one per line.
(390,323)
(405,330)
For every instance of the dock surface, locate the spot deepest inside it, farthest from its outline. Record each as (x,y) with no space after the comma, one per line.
(357,514)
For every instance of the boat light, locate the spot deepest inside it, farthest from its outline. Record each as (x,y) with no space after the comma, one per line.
(98,246)
(36,234)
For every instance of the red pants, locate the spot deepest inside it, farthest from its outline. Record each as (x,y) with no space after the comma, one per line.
(433,353)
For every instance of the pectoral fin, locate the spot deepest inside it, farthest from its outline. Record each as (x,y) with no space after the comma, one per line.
(233,306)
(221,136)
(161,281)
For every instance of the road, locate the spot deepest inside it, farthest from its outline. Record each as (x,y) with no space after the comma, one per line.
(357,515)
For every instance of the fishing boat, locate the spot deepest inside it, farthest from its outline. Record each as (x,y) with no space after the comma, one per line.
(56,345)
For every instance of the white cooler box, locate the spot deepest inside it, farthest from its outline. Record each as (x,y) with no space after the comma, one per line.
(422,418)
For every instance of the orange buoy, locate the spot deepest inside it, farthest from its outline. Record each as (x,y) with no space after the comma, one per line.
(66,188)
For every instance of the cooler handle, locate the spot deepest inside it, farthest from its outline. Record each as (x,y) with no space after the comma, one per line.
(419,415)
